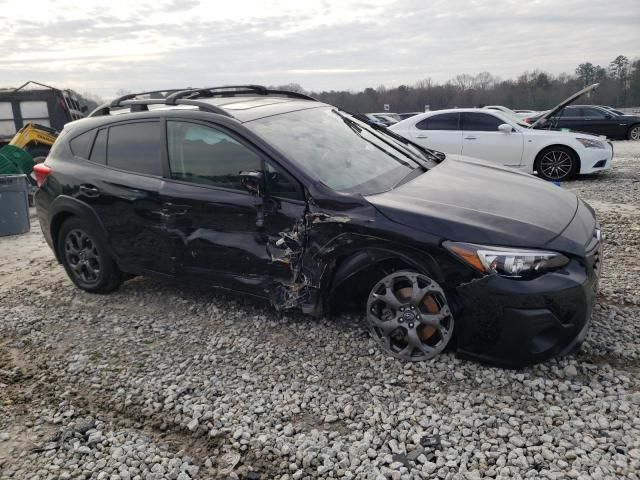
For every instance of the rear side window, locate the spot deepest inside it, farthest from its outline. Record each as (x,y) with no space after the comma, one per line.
(480,122)
(135,147)
(445,121)
(99,150)
(81,145)
(206,155)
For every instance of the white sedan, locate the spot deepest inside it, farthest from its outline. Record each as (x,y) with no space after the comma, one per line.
(496,137)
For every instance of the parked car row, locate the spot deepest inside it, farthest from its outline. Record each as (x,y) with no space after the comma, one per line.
(277,195)
(593,119)
(498,137)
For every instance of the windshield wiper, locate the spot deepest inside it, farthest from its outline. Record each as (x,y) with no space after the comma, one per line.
(416,172)
(430,154)
(358,130)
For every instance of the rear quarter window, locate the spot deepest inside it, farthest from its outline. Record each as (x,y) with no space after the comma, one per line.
(99,150)
(81,145)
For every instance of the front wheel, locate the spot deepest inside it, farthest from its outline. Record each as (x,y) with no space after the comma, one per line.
(557,164)
(408,316)
(85,258)
(634,132)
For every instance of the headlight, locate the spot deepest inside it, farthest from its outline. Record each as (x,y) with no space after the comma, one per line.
(589,143)
(508,262)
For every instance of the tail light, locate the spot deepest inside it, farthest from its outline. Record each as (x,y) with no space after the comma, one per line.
(41,172)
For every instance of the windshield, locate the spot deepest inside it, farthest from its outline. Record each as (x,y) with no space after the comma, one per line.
(342,152)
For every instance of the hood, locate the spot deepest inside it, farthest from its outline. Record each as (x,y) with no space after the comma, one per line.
(467,200)
(566,131)
(564,103)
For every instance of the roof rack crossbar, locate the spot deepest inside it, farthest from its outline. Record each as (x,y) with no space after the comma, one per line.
(208,92)
(142,105)
(130,96)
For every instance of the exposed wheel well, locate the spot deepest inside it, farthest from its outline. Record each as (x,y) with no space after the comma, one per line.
(566,147)
(351,293)
(56,223)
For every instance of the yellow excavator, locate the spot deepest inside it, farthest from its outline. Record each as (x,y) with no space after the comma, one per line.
(30,145)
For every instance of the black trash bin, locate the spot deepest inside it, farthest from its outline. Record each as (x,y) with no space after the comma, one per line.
(14,205)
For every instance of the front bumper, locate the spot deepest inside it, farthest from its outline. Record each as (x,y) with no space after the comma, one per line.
(594,160)
(514,323)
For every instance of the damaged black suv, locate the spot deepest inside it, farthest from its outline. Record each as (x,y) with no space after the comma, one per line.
(274,194)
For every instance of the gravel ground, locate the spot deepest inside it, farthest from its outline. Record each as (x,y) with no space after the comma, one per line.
(160,380)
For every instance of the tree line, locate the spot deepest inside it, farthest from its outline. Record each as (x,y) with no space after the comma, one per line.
(536,90)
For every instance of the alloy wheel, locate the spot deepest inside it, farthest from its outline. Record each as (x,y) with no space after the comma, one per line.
(408,316)
(634,134)
(556,164)
(82,256)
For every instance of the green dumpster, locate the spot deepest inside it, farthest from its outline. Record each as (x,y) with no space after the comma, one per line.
(14,161)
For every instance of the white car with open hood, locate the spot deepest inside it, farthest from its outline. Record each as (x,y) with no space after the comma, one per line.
(496,137)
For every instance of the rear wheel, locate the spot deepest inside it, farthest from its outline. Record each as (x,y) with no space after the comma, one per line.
(408,316)
(39,154)
(557,164)
(85,258)
(634,132)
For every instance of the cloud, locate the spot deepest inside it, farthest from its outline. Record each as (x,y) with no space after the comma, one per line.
(330,44)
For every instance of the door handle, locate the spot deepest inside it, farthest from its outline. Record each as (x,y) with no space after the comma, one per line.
(175,209)
(422,135)
(89,190)
(470,138)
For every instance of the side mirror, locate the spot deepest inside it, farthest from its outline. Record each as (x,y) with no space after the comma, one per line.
(505,128)
(252,182)
(607,116)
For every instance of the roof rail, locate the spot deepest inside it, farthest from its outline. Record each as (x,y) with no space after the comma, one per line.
(190,96)
(143,106)
(233,90)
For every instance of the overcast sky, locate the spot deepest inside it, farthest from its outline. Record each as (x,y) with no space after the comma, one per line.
(103,46)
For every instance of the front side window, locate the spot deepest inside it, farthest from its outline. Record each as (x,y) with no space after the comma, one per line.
(202,154)
(280,184)
(593,112)
(135,147)
(571,112)
(342,152)
(480,122)
(444,121)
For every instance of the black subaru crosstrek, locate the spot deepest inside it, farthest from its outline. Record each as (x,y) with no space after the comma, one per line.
(274,194)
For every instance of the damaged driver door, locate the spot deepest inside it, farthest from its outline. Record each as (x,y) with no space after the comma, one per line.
(223,224)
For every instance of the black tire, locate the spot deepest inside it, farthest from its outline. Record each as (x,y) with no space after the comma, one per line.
(85,258)
(634,132)
(39,154)
(557,163)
